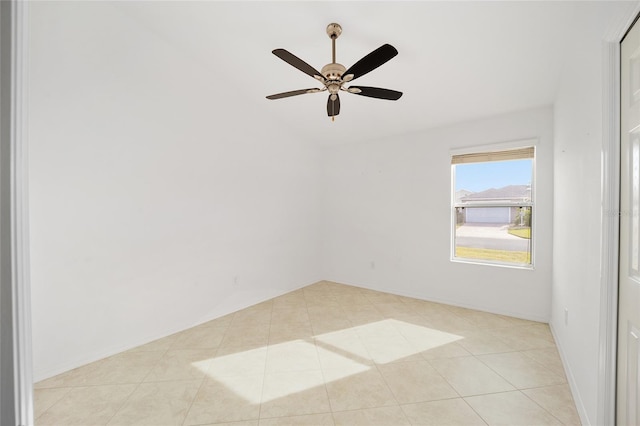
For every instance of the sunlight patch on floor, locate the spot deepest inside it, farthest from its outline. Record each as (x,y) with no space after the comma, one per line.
(344,353)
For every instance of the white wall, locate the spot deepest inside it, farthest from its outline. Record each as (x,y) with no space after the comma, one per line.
(143,211)
(387,218)
(577,217)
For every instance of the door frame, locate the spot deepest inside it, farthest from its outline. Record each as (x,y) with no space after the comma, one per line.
(610,217)
(16,386)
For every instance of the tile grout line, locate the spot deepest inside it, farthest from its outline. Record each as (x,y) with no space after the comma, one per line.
(324,379)
(266,360)
(543,408)
(507,380)
(474,410)
(392,394)
(444,378)
(56,402)
(195,395)
(137,386)
(226,329)
(122,404)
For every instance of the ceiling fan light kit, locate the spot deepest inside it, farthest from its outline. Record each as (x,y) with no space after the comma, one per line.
(333,76)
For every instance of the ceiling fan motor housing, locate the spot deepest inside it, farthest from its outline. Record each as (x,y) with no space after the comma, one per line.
(333,71)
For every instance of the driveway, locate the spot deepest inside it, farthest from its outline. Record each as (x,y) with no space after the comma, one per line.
(490,236)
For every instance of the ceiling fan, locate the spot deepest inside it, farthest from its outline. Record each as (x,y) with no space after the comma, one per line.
(334,76)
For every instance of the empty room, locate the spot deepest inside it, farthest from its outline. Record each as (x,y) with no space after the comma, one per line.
(320,213)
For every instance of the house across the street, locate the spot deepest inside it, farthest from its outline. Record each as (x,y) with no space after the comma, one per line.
(478,207)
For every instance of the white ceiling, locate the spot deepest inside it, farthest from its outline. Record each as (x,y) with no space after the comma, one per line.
(457,61)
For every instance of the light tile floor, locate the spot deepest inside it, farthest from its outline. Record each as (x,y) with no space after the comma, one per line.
(328,354)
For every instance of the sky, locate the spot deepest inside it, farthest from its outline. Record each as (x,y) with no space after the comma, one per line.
(477,177)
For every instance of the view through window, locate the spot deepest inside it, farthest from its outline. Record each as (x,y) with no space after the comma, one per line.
(493,206)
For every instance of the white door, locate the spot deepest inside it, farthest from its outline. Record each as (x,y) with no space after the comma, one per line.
(628,383)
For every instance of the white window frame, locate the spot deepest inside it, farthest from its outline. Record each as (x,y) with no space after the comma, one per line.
(480,149)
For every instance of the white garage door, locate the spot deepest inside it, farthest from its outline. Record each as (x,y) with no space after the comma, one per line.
(488,215)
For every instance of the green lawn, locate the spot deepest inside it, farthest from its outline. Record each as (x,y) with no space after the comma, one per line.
(521,232)
(521,257)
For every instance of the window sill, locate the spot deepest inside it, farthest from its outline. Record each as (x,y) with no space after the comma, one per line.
(494,264)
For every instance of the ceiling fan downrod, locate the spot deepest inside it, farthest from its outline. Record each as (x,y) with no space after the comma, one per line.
(333,31)
(333,72)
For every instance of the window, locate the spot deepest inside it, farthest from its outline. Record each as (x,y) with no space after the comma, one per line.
(493,208)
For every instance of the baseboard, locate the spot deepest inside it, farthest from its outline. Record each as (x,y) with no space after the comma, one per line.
(573,386)
(525,316)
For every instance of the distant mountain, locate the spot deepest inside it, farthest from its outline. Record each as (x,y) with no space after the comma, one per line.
(462,193)
(507,193)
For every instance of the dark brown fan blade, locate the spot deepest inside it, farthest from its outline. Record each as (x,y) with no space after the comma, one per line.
(292,93)
(372,61)
(376,92)
(333,107)
(293,60)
